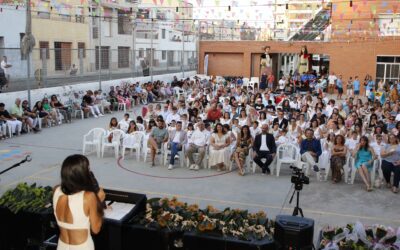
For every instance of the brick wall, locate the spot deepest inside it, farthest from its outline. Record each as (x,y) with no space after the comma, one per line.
(346,58)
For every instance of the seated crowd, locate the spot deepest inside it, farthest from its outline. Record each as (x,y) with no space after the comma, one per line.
(21,118)
(229,122)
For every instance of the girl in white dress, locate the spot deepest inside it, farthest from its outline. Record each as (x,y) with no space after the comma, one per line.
(226,119)
(243,119)
(219,147)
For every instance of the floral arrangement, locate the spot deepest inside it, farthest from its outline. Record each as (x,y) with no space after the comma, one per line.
(359,237)
(176,215)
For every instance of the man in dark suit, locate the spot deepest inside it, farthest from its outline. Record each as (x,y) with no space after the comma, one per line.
(264,147)
(282,121)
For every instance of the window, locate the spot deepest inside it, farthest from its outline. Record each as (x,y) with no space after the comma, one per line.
(105,57)
(163,33)
(43,9)
(141,53)
(123,57)
(62,55)
(124,24)
(163,55)
(44,50)
(79,15)
(106,26)
(388,68)
(81,49)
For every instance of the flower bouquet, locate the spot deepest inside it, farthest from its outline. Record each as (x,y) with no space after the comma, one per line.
(175,215)
(359,237)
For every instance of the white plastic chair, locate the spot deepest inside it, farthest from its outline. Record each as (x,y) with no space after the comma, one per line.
(167,152)
(288,154)
(375,165)
(122,106)
(93,139)
(115,143)
(133,141)
(246,82)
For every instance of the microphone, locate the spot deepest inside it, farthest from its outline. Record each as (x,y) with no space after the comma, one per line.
(28,158)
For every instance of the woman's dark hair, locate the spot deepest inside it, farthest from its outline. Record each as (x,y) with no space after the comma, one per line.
(190,125)
(242,135)
(226,126)
(130,126)
(305,50)
(76,177)
(366,142)
(113,119)
(139,119)
(216,126)
(340,136)
(262,114)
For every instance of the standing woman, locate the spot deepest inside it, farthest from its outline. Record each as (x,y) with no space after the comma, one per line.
(338,158)
(219,147)
(364,156)
(243,119)
(77,204)
(243,144)
(391,162)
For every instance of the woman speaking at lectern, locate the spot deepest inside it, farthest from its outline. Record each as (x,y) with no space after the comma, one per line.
(77,204)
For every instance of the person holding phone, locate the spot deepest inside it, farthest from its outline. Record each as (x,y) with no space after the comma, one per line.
(78,204)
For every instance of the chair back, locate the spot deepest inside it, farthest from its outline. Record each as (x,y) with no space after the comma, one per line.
(95,134)
(288,151)
(117,136)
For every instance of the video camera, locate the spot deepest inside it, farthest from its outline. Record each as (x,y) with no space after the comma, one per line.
(299,178)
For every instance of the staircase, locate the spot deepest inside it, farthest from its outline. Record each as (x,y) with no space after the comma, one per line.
(314,27)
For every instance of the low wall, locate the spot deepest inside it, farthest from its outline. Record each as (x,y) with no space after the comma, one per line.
(64,91)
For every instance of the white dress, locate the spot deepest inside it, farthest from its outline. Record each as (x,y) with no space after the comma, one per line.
(219,155)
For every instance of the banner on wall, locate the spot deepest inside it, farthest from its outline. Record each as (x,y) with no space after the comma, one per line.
(206,65)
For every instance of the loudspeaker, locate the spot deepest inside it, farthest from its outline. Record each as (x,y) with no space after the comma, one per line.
(292,232)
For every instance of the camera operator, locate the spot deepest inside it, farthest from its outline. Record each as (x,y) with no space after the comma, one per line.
(310,149)
(264,147)
(79,189)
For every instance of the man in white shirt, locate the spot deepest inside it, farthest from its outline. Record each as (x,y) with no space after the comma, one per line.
(255,130)
(5,66)
(332,82)
(282,83)
(173,116)
(264,147)
(124,123)
(177,138)
(197,144)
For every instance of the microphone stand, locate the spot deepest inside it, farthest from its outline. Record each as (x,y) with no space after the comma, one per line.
(28,158)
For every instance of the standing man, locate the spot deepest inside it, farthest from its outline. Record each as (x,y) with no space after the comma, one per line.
(356,86)
(177,138)
(310,149)
(339,85)
(5,66)
(332,82)
(264,147)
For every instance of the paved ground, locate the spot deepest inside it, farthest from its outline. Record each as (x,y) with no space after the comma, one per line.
(324,202)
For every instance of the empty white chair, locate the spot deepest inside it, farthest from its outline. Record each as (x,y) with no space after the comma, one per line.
(132,141)
(286,153)
(246,82)
(93,139)
(254,79)
(115,143)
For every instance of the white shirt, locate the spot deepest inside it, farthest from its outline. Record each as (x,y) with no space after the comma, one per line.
(199,138)
(264,146)
(171,117)
(351,143)
(177,137)
(282,84)
(255,131)
(4,67)
(124,125)
(378,148)
(398,117)
(332,79)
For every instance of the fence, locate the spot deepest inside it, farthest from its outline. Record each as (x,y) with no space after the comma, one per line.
(65,66)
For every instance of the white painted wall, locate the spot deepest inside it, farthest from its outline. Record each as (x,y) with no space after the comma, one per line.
(37,94)
(12,23)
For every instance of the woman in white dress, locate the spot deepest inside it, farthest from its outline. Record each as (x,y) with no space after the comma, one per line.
(226,119)
(262,119)
(326,146)
(302,123)
(294,131)
(219,147)
(243,119)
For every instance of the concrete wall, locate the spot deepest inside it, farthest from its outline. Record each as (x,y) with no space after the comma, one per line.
(348,59)
(65,91)
(12,23)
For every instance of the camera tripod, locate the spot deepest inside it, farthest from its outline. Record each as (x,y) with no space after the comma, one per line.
(297,208)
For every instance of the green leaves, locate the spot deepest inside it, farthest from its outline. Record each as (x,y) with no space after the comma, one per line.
(28,198)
